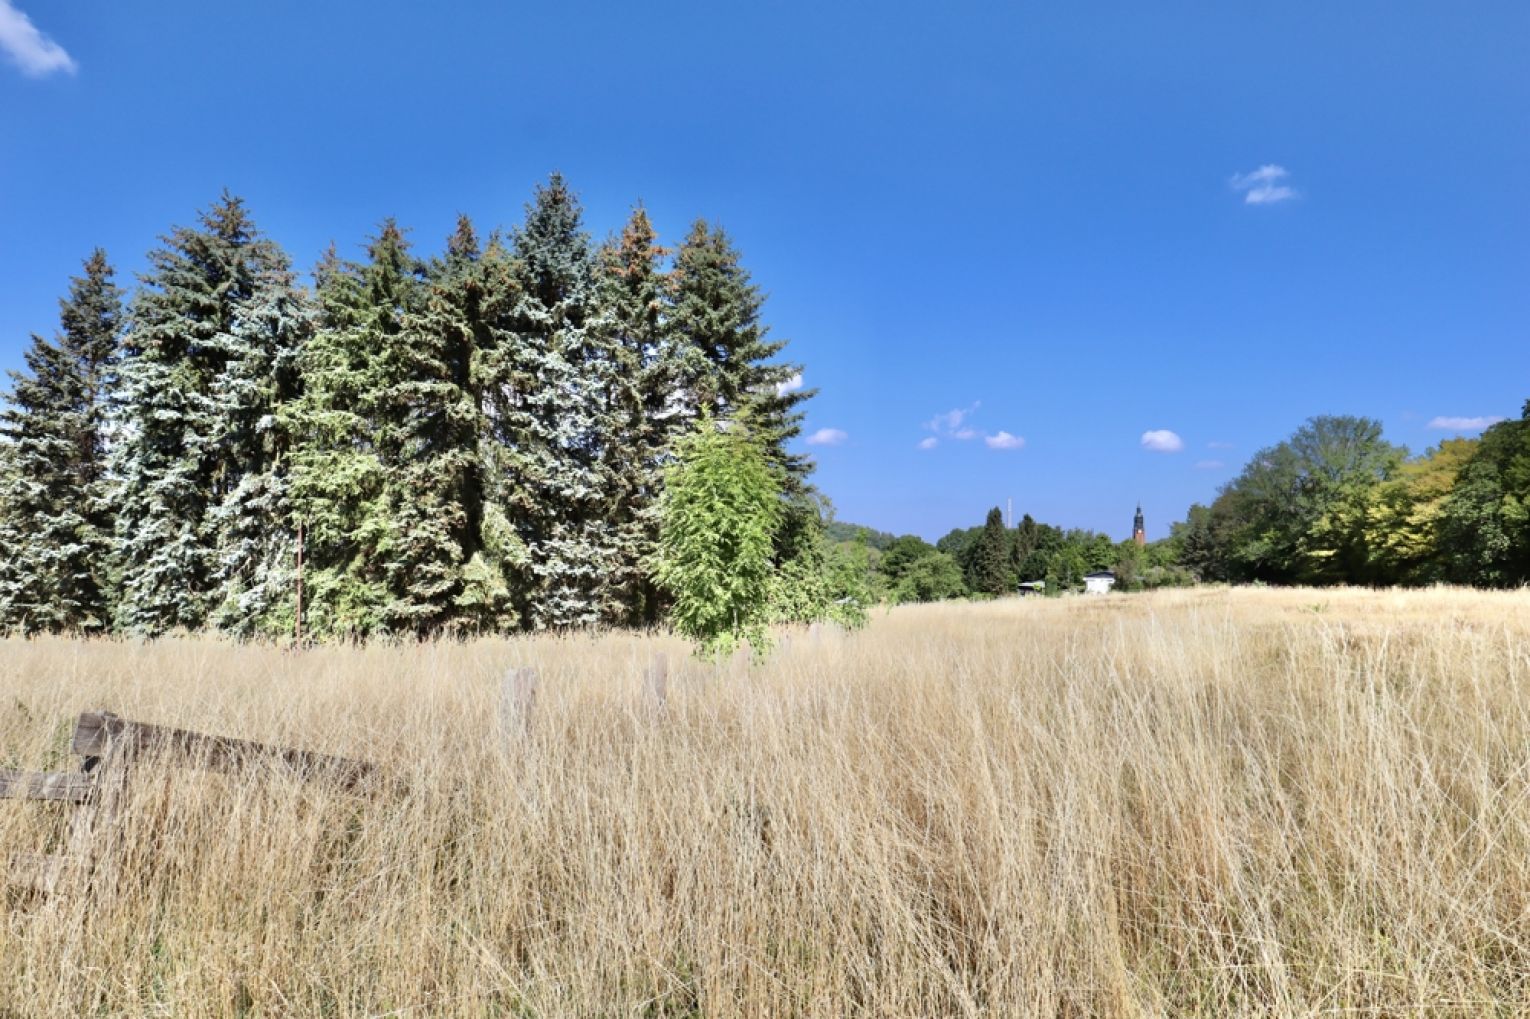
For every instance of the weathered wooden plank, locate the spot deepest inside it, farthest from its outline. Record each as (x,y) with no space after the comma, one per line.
(35,871)
(68,786)
(98,730)
(91,732)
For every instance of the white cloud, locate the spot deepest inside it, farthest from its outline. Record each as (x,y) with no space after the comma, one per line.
(791,385)
(1209,465)
(1269,173)
(1269,195)
(1003,440)
(1459,424)
(1161,440)
(1219,445)
(1263,186)
(29,49)
(827,437)
(953,424)
(950,423)
(957,424)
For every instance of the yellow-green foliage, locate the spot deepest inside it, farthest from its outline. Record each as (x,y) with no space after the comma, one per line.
(718,515)
(1199,802)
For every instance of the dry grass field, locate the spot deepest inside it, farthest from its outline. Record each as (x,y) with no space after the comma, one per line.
(1189,803)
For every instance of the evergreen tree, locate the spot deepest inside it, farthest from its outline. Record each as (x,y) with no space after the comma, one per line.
(548,417)
(435,485)
(350,431)
(1026,539)
(203,300)
(17,568)
(1203,549)
(253,532)
(55,505)
(723,352)
(644,382)
(990,570)
(498,583)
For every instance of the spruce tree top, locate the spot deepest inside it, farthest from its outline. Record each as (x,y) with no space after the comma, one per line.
(554,252)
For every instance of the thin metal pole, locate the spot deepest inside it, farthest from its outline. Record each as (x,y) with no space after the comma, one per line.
(299,621)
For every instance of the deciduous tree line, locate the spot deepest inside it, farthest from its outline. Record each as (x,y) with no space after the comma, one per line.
(1338,504)
(470,442)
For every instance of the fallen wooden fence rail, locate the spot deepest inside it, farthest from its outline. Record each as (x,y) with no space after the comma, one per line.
(70,786)
(109,745)
(97,731)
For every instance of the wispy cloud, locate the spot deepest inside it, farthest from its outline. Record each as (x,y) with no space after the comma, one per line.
(953,424)
(957,424)
(1004,440)
(827,437)
(29,49)
(950,423)
(791,385)
(1214,444)
(1161,440)
(1209,465)
(1264,186)
(1460,424)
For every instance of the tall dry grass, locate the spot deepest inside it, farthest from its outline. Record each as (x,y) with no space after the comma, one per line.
(1202,803)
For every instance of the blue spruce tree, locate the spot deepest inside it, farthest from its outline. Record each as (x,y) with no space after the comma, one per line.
(546,379)
(188,341)
(56,507)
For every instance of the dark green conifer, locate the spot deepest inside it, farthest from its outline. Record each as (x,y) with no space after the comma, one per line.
(352,428)
(990,571)
(435,482)
(724,354)
(641,413)
(55,504)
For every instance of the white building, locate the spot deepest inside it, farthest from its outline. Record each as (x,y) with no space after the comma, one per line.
(1099,583)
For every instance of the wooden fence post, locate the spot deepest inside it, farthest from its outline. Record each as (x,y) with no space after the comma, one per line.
(94,829)
(656,683)
(517,698)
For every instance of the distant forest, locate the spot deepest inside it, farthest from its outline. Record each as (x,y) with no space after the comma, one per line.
(1333,504)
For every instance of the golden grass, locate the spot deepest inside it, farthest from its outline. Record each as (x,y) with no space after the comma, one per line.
(1206,802)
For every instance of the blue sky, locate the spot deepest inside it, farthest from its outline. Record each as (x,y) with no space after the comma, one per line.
(1072,224)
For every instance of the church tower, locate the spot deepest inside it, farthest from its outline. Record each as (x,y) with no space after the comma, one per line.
(1139,532)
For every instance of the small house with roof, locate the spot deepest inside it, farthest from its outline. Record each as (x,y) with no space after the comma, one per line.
(1099,582)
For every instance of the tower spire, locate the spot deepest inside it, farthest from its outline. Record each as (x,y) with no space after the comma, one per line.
(1139,530)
